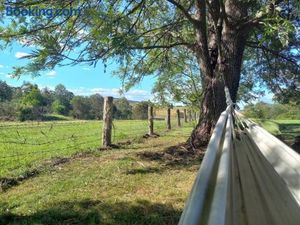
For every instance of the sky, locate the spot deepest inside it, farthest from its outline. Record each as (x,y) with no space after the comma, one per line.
(80,79)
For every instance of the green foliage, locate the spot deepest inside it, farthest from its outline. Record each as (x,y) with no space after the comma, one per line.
(5,92)
(122,109)
(58,107)
(33,98)
(161,38)
(62,98)
(140,111)
(179,82)
(81,107)
(31,104)
(96,103)
(8,110)
(272,111)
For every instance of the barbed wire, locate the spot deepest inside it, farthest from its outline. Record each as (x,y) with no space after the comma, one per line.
(46,124)
(52,150)
(36,143)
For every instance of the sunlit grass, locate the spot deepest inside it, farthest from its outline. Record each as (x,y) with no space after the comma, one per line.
(287,129)
(24,146)
(114,187)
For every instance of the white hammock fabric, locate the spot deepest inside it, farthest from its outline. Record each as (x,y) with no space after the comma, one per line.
(247,177)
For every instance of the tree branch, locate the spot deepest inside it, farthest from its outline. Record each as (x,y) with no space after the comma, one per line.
(272,51)
(184,11)
(157,46)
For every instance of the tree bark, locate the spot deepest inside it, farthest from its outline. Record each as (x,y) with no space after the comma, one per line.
(226,44)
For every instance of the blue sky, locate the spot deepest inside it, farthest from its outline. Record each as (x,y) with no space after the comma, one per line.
(80,79)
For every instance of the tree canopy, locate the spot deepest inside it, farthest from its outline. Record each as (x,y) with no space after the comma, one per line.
(253,41)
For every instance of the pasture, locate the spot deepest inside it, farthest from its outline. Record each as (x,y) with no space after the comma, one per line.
(141,182)
(136,184)
(286,130)
(24,146)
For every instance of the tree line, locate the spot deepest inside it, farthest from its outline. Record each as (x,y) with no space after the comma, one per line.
(263,110)
(29,102)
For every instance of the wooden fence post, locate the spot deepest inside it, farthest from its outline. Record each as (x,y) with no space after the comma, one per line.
(185,116)
(169,119)
(107,121)
(178,118)
(190,116)
(150,120)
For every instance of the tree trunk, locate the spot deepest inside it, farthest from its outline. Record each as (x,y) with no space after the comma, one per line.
(178,118)
(226,45)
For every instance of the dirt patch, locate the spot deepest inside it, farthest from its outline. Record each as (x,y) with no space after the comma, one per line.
(145,170)
(146,136)
(116,146)
(174,155)
(9,182)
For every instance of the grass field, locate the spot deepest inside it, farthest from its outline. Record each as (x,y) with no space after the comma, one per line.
(114,187)
(23,146)
(138,183)
(284,129)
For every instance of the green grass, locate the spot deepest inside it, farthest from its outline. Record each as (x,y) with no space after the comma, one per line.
(286,129)
(114,187)
(25,146)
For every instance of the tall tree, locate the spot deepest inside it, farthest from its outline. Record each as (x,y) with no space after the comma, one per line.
(140,110)
(144,35)
(6,91)
(63,99)
(96,103)
(81,107)
(122,109)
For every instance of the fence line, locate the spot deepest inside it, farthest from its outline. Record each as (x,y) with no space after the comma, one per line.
(44,140)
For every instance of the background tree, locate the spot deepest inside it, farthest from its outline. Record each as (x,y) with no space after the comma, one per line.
(5,92)
(32,103)
(179,83)
(140,111)
(81,107)
(122,109)
(96,102)
(263,110)
(62,102)
(48,97)
(144,35)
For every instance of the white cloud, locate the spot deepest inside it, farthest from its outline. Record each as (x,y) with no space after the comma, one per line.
(136,94)
(21,54)
(9,76)
(52,73)
(2,73)
(86,68)
(1,66)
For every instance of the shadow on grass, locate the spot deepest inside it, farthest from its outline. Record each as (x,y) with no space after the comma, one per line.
(91,212)
(290,134)
(173,157)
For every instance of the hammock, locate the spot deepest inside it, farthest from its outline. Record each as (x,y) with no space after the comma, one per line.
(247,177)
